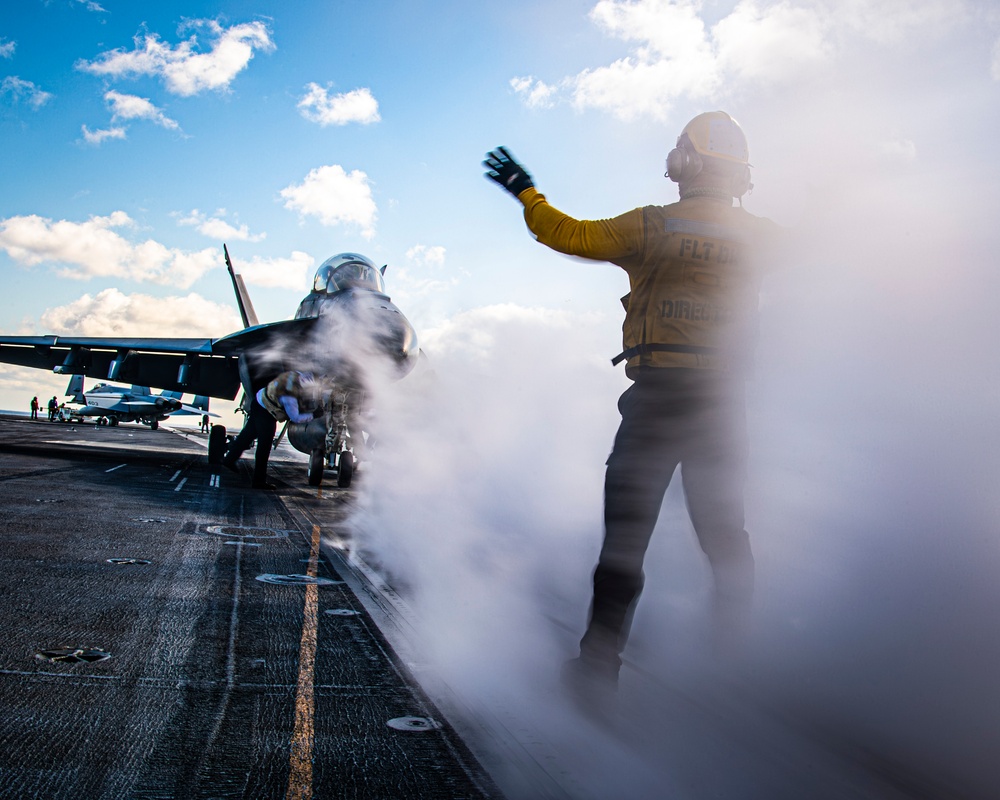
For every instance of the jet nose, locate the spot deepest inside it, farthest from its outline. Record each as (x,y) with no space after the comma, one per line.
(398,339)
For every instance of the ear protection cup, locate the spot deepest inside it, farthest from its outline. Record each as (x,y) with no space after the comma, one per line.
(741,182)
(682,165)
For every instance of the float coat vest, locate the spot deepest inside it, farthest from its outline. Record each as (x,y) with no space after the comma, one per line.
(694,275)
(694,288)
(287,383)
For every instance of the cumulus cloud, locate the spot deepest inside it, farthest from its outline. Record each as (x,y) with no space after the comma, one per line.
(216,227)
(130,106)
(675,53)
(335,197)
(184,68)
(94,248)
(318,105)
(536,93)
(423,276)
(426,255)
(769,43)
(7,49)
(294,272)
(16,89)
(112,313)
(101,135)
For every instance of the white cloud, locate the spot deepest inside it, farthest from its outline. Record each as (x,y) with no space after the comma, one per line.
(94,249)
(112,313)
(427,276)
(536,93)
(674,53)
(101,134)
(317,105)
(90,5)
(130,106)
(672,57)
(18,89)
(770,43)
(184,70)
(426,255)
(335,197)
(7,49)
(215,227)
(294,272)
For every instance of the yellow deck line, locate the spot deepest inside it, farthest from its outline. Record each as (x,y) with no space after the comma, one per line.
(300,777)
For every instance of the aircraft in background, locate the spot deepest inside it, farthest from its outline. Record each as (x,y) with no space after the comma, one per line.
(345,331)
(110,405)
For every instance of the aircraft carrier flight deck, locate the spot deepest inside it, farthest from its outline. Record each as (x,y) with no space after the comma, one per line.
(171,633)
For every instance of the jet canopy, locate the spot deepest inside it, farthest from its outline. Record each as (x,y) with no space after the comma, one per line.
(347,271)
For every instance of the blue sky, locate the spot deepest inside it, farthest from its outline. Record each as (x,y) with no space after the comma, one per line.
(137,137)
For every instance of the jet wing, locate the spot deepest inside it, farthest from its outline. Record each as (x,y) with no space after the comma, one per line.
(196,366)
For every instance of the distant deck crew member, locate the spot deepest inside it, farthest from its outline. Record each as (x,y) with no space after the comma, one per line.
(53,405)
(276,402)
(694,272)
(34,407)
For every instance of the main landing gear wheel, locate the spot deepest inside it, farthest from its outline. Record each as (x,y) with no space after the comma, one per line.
(345,469)
(154,425)
(316,464)
(216,444)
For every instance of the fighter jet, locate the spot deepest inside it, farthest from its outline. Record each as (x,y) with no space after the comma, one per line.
(346,332)
(109,405)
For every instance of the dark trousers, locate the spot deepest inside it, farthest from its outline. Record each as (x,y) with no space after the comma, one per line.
(260,425)
(672,417)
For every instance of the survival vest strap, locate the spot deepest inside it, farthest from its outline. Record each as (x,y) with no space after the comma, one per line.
(645,349)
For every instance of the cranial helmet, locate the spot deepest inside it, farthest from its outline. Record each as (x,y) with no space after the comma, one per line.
(716,135)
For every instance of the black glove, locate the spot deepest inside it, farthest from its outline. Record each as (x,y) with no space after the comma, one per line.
(507,172)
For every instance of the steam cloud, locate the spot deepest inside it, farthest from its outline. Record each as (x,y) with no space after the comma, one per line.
(872,499)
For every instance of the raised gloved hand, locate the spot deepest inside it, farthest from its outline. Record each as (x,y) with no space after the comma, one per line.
(507,172)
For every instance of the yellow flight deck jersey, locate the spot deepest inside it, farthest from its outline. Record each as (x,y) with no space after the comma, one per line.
(693,272)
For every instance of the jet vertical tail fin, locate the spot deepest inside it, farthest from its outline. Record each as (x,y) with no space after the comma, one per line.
(242,296)
(75,389)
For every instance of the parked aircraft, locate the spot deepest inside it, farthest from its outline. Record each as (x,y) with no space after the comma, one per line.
(345,331)
(110,405)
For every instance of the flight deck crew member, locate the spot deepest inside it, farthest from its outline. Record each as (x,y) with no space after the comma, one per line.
(53,405)
(689,326)
(276,402)
(34,407)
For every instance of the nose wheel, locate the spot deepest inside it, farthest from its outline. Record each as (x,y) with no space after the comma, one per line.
(317,459)
(345,469)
